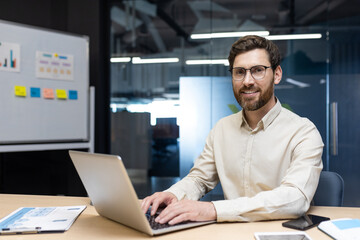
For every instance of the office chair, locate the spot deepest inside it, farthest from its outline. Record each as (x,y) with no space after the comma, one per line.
(330,191)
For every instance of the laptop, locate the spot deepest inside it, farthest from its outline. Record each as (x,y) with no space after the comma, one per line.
(113,196)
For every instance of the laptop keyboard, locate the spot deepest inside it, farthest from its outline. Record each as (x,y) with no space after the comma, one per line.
(154,225)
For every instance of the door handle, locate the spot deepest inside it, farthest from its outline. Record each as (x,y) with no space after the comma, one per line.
(334,128)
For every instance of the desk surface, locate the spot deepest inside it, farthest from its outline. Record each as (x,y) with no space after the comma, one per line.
(91,226)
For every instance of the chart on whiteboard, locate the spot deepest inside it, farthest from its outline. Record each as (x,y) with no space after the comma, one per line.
(54,66)
(9,57)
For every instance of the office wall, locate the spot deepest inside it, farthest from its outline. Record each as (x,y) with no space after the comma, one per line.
(84,17)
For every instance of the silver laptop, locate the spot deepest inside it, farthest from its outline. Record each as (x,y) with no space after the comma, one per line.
(112,194)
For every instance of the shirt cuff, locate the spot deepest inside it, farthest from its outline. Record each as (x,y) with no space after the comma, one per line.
(228,210)
(221,212)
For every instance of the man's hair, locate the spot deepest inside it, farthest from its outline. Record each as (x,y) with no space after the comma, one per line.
(252,42)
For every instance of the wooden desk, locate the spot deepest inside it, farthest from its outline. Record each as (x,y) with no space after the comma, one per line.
(91,226)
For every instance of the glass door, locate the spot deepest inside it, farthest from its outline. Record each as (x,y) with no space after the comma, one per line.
(344,105)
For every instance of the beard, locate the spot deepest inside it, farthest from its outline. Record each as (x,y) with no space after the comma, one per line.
(251,103)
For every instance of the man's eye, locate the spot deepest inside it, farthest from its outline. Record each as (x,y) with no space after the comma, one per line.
(257,69)
(239,71)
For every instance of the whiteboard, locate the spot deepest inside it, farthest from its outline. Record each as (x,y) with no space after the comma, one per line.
(44,85)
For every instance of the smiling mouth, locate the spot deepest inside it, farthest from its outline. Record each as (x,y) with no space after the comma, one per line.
(248,92)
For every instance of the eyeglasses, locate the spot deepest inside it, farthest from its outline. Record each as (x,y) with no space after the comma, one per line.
(257,72)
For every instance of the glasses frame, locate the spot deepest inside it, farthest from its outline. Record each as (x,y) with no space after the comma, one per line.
(248,69)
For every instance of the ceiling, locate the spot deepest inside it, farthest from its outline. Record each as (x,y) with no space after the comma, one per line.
(145,27)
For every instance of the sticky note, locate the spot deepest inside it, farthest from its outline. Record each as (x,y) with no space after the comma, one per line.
(48,93)
(34,92)
(73,95)
(61,94)
(20,91)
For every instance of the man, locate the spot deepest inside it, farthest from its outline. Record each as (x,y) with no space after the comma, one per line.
(267,158)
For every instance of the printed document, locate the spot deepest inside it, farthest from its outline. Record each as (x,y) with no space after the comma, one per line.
(40,219)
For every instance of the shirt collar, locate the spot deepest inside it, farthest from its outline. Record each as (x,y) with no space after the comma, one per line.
(267,119)
(272,114)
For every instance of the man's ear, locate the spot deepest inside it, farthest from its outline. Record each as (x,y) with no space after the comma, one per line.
(277,75)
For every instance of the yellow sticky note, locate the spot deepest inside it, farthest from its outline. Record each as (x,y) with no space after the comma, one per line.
(61,94)
(20,91)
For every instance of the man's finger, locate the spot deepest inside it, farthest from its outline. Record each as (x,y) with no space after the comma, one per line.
(169,213)
(145,204)
(180,218)
(155,206)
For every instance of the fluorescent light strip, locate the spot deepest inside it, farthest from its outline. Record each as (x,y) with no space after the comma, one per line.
(120,59)
(297,83)
(227,34)
(295,36)
(203,62)
(137,60)
(259,33)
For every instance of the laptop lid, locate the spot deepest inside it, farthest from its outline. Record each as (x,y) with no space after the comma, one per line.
(109,188)
(112,193)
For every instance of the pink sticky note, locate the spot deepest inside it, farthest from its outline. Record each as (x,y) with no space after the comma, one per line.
(48,93)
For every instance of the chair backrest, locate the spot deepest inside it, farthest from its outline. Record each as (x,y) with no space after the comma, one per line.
(330,191)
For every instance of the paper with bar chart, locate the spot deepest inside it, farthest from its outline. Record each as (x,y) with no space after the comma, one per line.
(9,57)
(54,66)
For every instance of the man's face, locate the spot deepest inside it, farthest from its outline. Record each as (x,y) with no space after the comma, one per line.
(250,93)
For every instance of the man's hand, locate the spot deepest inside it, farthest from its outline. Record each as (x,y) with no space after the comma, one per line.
(187,210)
(156,200)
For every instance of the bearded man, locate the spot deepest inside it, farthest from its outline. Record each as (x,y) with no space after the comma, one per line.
(267,158)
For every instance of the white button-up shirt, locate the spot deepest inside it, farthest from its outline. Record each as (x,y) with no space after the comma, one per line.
(270,172)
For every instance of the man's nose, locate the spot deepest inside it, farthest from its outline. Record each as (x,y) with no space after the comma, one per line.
(248,79)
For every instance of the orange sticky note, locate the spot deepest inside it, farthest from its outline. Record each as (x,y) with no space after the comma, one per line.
(20,91)
(48,93)
(61,94)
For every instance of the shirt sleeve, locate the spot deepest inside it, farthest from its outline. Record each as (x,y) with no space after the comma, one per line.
(202,177)
(292,198)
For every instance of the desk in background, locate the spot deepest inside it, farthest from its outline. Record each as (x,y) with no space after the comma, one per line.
(91,226)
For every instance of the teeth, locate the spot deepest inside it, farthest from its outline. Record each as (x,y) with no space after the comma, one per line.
(249,92)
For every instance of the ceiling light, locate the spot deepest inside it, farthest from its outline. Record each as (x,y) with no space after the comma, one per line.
(227,34)
(258,33)
(137,60)
(294,36)
(120,59)
(208,61)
